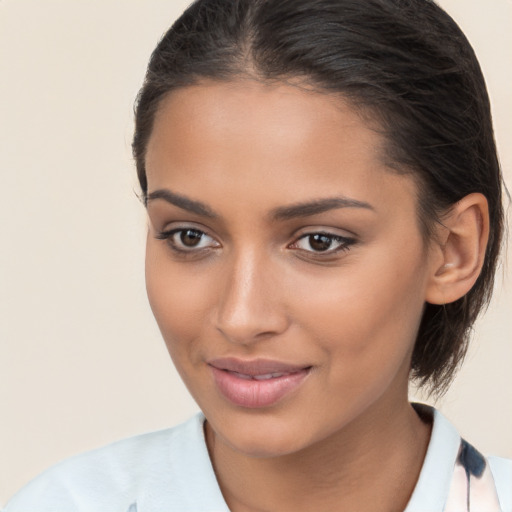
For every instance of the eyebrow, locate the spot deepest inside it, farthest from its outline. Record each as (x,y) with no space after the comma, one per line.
(182,202)
(317,206)
(305,209)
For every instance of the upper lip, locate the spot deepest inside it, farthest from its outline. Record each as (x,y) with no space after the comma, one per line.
(255,366)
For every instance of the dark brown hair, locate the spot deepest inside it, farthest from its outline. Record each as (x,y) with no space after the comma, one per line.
(404,61)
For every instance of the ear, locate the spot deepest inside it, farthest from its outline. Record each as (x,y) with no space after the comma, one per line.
(459,251)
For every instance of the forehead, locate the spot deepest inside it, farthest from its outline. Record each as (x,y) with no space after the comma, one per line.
(248,137)
(283,112)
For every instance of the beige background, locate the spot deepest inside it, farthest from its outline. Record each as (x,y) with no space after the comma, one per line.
(81,360)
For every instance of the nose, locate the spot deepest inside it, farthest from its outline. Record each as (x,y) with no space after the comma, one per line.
(250,308)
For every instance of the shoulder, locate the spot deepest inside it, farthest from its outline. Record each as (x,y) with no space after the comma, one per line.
(106,479)
(501,470)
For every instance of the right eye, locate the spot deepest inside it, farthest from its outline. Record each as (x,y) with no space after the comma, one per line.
(187,239)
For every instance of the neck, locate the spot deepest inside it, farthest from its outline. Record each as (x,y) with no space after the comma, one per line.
(375,459)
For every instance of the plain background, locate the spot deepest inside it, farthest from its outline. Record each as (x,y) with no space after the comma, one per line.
(81,359)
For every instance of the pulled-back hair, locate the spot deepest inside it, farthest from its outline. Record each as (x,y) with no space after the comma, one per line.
(405,63)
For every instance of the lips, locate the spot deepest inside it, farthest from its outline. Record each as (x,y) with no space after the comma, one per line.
(256,383)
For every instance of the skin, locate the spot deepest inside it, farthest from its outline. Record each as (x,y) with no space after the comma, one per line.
(254,287)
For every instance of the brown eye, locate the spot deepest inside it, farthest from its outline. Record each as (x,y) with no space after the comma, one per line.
(190,237)
(183,240)
(326,243)
(320,242)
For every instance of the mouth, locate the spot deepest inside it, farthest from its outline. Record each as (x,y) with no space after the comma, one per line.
(265,376)
(257,383)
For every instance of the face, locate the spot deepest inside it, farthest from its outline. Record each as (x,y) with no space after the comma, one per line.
(285,265)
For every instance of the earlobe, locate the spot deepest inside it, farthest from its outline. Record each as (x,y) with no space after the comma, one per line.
(461,249)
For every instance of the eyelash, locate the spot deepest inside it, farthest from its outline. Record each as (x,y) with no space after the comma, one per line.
(169,236)
(344,242)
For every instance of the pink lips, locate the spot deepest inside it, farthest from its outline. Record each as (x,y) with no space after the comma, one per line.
(257,383)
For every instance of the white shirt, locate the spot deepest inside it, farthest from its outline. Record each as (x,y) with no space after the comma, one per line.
(170,470)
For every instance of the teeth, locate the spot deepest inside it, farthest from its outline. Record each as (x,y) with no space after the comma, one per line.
(243,376)
(267,376)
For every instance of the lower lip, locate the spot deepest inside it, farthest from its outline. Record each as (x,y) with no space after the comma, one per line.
(256,393)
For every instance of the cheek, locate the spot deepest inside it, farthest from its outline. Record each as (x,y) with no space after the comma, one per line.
(368,312)
(365,327)
(177,299)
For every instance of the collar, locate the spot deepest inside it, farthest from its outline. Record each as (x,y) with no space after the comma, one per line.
(433,486)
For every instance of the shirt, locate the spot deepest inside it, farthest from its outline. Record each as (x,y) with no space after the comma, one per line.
(170,470)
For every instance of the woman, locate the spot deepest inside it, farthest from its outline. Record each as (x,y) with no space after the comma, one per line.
(324,205)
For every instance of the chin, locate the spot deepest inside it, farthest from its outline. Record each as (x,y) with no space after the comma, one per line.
(261,437)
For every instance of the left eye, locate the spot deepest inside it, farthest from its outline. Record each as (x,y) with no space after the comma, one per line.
(322,243)
(187,239)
